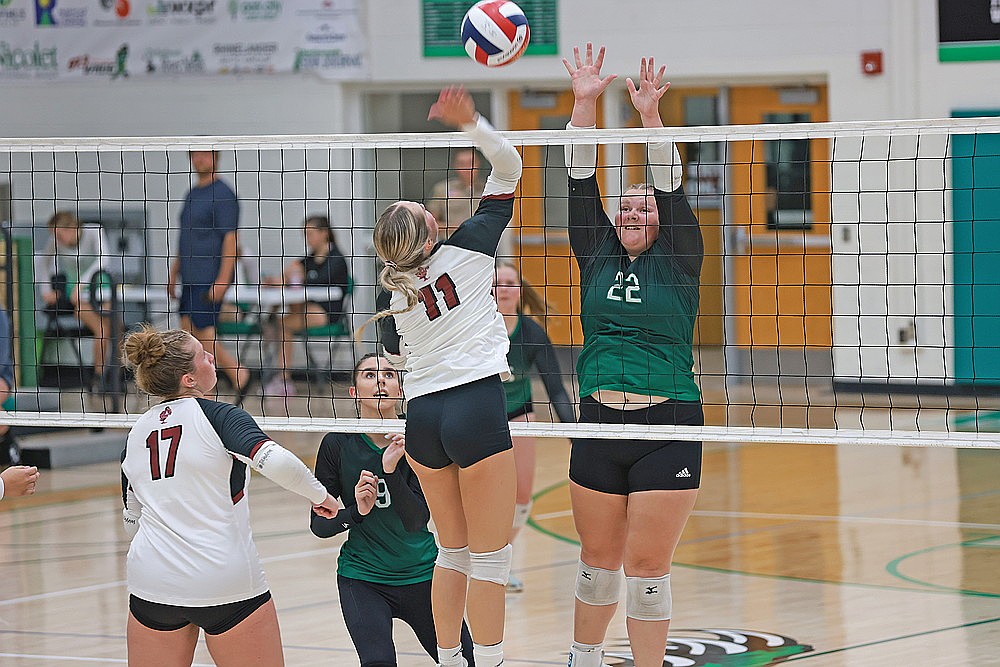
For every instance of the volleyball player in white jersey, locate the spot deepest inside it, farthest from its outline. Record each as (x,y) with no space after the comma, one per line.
(446,329)
(192,562)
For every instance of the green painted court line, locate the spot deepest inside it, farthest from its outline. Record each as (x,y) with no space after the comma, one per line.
(546,531)
(892,567)
(970,624)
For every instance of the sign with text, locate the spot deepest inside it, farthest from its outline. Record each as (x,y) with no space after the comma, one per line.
(116,40)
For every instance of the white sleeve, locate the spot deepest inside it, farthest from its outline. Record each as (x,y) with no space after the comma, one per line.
(502,155)
(131,513)
(581,159)
(1,488)
(286,470)
(665,165)
(397,361)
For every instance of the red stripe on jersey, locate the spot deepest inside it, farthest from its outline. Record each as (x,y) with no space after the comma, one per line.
(503,195)
(492,10)
(238,497)
(256,448)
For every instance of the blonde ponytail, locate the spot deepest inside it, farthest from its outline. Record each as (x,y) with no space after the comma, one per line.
(399,238)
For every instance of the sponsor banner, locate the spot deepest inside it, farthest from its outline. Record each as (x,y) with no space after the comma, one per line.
(124,40)
(25,60)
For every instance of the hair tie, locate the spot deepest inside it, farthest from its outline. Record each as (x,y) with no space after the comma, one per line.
(391,265)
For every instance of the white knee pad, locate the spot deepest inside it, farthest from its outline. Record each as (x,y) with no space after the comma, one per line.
(597,586)
(454,559)
(648,598)
(493,566)
(521,514)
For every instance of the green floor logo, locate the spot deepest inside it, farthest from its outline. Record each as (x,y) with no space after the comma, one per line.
(715,648)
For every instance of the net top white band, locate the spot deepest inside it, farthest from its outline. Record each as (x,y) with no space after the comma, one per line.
(828,130)
(733,434)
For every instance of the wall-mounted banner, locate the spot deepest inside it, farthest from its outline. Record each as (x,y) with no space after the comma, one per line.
(968,30)
(119,40)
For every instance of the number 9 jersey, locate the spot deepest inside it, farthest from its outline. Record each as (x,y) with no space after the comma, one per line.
(184,472)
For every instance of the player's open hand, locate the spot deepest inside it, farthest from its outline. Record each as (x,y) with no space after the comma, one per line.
(646,96)
(454,107)
(585,73)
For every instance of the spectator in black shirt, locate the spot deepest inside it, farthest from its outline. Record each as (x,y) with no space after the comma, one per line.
(324,266)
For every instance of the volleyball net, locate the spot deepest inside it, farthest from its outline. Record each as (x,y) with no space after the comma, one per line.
(850,290)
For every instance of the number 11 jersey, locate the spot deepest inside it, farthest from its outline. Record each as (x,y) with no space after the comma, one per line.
(455,335)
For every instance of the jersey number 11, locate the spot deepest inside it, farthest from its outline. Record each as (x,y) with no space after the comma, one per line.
(446,286)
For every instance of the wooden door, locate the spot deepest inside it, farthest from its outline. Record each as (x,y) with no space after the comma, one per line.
(541,242)
(781,209)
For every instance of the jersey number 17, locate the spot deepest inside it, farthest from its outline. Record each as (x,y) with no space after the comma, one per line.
(170,435)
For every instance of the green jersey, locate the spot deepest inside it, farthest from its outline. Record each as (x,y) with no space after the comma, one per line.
(638,316)
(530,347)
(391,544)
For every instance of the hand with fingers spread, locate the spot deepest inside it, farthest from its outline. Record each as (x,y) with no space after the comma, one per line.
(454,107)
(366,492)
(586,74)
(646,96)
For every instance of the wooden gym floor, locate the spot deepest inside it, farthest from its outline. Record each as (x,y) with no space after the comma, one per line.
(795,553)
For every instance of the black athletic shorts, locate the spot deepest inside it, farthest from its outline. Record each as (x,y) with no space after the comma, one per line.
(525,409)
(622,466)
(463,424)
(213,620)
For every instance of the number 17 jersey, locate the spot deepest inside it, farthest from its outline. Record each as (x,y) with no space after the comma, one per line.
(186,461)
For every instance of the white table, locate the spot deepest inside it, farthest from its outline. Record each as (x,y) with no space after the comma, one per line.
(263,296)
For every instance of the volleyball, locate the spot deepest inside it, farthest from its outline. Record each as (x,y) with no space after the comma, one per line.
(495,32)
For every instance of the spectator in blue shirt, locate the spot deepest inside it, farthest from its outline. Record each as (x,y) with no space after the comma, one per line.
(206,261)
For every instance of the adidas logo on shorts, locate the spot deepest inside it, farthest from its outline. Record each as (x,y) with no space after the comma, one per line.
(683,473)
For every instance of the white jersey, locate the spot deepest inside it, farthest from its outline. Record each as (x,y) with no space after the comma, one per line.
(186,462)
(455,335)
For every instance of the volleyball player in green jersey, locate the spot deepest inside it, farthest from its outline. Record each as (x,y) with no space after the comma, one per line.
(385,567)
(639,280)
(530,347)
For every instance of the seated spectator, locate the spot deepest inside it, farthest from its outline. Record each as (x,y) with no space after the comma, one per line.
(323,266)
(453,200)
(63,270)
